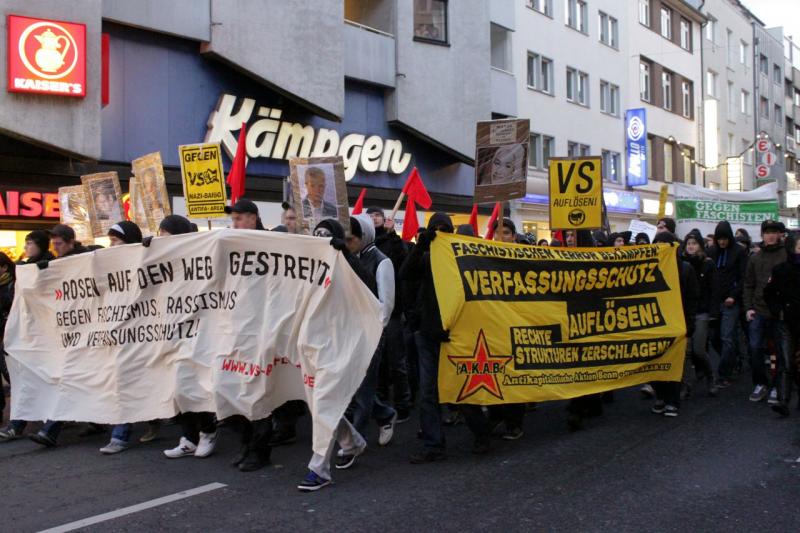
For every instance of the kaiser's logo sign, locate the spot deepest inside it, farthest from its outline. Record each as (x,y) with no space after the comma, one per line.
(46,56)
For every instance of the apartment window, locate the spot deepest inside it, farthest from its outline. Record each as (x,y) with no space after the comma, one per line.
(666,90)
(576,14)
(731,102)
(763,65)
(542,6)
(686,34)
(644,12)
(797,98)
(745,107)
(611,168)
(744,53)
(731,145)
(797,133)
(609,30)
(540,73)
(777,76)
(789,88)
(731,47)
(711,29)
(548,149)
(668,156)
(650,158)
(575,149)
(534,150)
(577,86)
(686,94)
(430,20)
(711,84)
(763,107)
(644,82)
(666,22)
(778,115)
(609,98)
(687,167)
(747,152)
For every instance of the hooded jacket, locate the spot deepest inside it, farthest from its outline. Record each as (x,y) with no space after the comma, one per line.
(759,270)
(377,264)
(393,247)
(730,265)
(704,274)
(782,294)
(417,272)
(337,231)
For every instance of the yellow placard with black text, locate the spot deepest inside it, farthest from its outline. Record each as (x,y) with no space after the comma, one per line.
(203,180)
(576,193)
(530,324)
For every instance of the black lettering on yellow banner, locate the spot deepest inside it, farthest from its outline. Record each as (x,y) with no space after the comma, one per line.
(588,318)
(576,193)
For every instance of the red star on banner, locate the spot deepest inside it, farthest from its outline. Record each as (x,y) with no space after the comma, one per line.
(481,369)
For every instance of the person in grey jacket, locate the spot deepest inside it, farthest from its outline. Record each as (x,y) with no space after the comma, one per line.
(762,325)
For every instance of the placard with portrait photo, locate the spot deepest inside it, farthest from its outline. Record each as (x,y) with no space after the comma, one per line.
(152,190)
(501,160)
(319,191)
(104,198)
(74,212)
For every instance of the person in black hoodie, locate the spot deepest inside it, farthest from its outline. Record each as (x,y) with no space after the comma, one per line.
(694,254)
(782,294)
(668,393)
(394,368)
(730,263)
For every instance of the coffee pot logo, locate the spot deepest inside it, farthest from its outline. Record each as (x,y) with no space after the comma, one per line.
(52,49)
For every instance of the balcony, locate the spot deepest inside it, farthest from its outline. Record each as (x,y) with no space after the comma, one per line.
(369,54)
(504,92)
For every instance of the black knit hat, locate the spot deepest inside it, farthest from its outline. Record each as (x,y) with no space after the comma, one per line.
(176,225)
(375,209)
(39,237)
(508,223)
(669,223)
(440,218)
(63,231)
(335,228)
(127,231)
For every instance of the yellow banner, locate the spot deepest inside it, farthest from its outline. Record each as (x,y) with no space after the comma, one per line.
(576,193)
(529,324)
(203,180)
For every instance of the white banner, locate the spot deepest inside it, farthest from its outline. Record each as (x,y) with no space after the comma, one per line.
(697,207)
(229,321)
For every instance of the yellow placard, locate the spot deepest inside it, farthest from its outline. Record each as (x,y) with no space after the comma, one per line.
(576,193)
(203,180)
(662,201)
(529,324)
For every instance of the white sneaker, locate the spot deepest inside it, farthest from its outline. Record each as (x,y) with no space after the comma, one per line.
(206,445)
(773,397)
(387,432)
(759,393)
(115,446)
(184,448)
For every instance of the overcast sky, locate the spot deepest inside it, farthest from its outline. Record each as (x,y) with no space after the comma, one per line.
(774,13)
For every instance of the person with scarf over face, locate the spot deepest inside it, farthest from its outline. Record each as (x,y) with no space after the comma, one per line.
(782,295)
(730,263)
(694,254)
(762,325)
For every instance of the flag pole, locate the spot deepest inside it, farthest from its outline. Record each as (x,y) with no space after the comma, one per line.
(397,205)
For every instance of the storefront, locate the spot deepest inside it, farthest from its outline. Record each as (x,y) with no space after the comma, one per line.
(22,211)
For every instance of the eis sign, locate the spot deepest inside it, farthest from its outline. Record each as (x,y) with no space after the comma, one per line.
(46,56)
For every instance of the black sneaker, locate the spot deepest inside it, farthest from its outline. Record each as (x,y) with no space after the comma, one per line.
(513,434)
(670,411)
(345,461)
(312,482)
(283,437)
(240,455)
(254,460)
(402,416)
(43,438)
(658,408)
(428,456)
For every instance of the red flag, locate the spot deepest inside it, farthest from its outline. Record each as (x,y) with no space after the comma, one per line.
(416,190)
(410,222)
(473,219)
(236,175)
(360,202)
(492,220)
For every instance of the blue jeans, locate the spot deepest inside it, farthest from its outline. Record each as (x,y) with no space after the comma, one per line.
(429,411)
(365,402)
(729,333)
(121,432)
(761,330)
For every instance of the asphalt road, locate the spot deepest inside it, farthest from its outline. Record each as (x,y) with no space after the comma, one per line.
(724,465)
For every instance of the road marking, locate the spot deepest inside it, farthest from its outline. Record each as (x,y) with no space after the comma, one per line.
(134,508)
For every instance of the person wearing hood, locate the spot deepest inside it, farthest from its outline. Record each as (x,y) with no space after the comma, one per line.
(730,263)
(394,367)
(762,325)
(365,403)
(37,247)
(694,254)
(174,225)
(620,239)
(666,224)
(642,238)
(782,295)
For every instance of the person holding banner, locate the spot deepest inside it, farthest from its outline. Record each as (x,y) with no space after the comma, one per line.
(762,325)
(7,278)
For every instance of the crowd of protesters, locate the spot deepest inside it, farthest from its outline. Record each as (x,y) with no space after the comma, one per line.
(741,304)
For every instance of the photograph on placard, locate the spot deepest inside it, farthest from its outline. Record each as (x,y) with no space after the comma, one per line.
(74,211)
(146,221)
(104,200)
(501,160)
(319,191)
(153,192)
